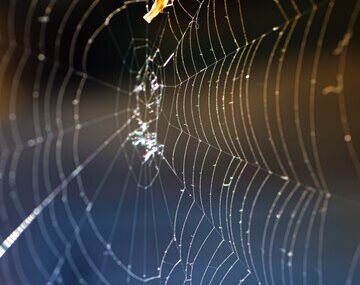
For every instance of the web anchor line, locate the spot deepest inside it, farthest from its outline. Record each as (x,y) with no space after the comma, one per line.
(14,236)
(207,178)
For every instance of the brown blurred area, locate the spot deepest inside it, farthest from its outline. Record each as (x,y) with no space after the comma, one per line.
(250,91)
(280,95)
(287,102)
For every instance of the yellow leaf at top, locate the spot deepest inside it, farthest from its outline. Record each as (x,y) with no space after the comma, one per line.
(156,8)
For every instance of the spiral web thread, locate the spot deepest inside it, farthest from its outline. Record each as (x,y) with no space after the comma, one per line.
(214,166)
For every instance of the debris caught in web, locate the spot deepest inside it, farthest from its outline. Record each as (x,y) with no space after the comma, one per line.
(156,9)
(148,92)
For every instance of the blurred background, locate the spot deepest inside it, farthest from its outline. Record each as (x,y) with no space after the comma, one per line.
(218,144)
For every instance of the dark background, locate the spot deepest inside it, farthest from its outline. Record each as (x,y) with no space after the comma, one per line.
(232,149)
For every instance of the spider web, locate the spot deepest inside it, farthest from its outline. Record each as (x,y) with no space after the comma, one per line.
(217,145)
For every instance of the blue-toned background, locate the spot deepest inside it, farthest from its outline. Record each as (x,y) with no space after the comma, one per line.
(217,145)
